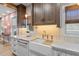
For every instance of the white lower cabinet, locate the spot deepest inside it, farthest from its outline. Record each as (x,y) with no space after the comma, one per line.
(22,48)
(54,53)
(14,49)
(19,48)
(65,54)
(34,53)
(39,50)
(13,45)
(21,51)
(60,53)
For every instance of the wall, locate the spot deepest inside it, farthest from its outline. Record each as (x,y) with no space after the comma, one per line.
(22,32)
(63,35)
(29,13)
(7,23)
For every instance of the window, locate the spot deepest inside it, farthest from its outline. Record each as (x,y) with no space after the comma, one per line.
(72,20)
(72,15)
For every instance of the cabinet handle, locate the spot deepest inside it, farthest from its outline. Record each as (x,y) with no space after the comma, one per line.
(58,54)
(14,50)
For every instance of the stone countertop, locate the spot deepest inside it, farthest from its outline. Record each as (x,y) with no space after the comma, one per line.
(71,48)
(58,44)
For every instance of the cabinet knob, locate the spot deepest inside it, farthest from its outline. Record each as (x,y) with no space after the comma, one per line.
(43,20)
(58,54)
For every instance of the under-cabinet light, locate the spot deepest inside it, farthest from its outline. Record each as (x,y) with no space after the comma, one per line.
(77,3)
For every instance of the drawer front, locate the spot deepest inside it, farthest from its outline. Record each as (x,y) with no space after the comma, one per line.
(22,51)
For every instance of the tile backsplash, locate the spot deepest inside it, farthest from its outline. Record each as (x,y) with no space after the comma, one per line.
(22,32)
(48,29)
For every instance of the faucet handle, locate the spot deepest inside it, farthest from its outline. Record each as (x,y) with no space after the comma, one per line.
(51,37)
(47,37)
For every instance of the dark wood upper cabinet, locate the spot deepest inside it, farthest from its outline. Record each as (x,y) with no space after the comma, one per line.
(37,14)
(21,11)
(49,13)
(45,13)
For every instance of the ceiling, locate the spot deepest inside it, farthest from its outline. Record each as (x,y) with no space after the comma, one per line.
(5,10)
(25,4)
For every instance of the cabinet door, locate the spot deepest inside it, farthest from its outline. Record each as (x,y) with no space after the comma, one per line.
(45,14)
(13,45)
(64,54)
(38,14)
(49,13)
(14,51)
(57,53)
(39,50)
(19,48)
(60,53)
(22,50)
(21,11)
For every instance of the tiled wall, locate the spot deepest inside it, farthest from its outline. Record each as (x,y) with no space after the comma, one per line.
(49,29)
(22,32)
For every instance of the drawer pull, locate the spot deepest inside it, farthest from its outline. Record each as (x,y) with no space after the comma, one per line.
(22,42)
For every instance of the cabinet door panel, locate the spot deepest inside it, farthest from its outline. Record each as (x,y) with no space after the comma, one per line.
(49,12)
(21,11)
(22,51)
(40,49)
(38,13)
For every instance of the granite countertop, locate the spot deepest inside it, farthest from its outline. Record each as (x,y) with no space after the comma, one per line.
(67,46)
(36,41)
